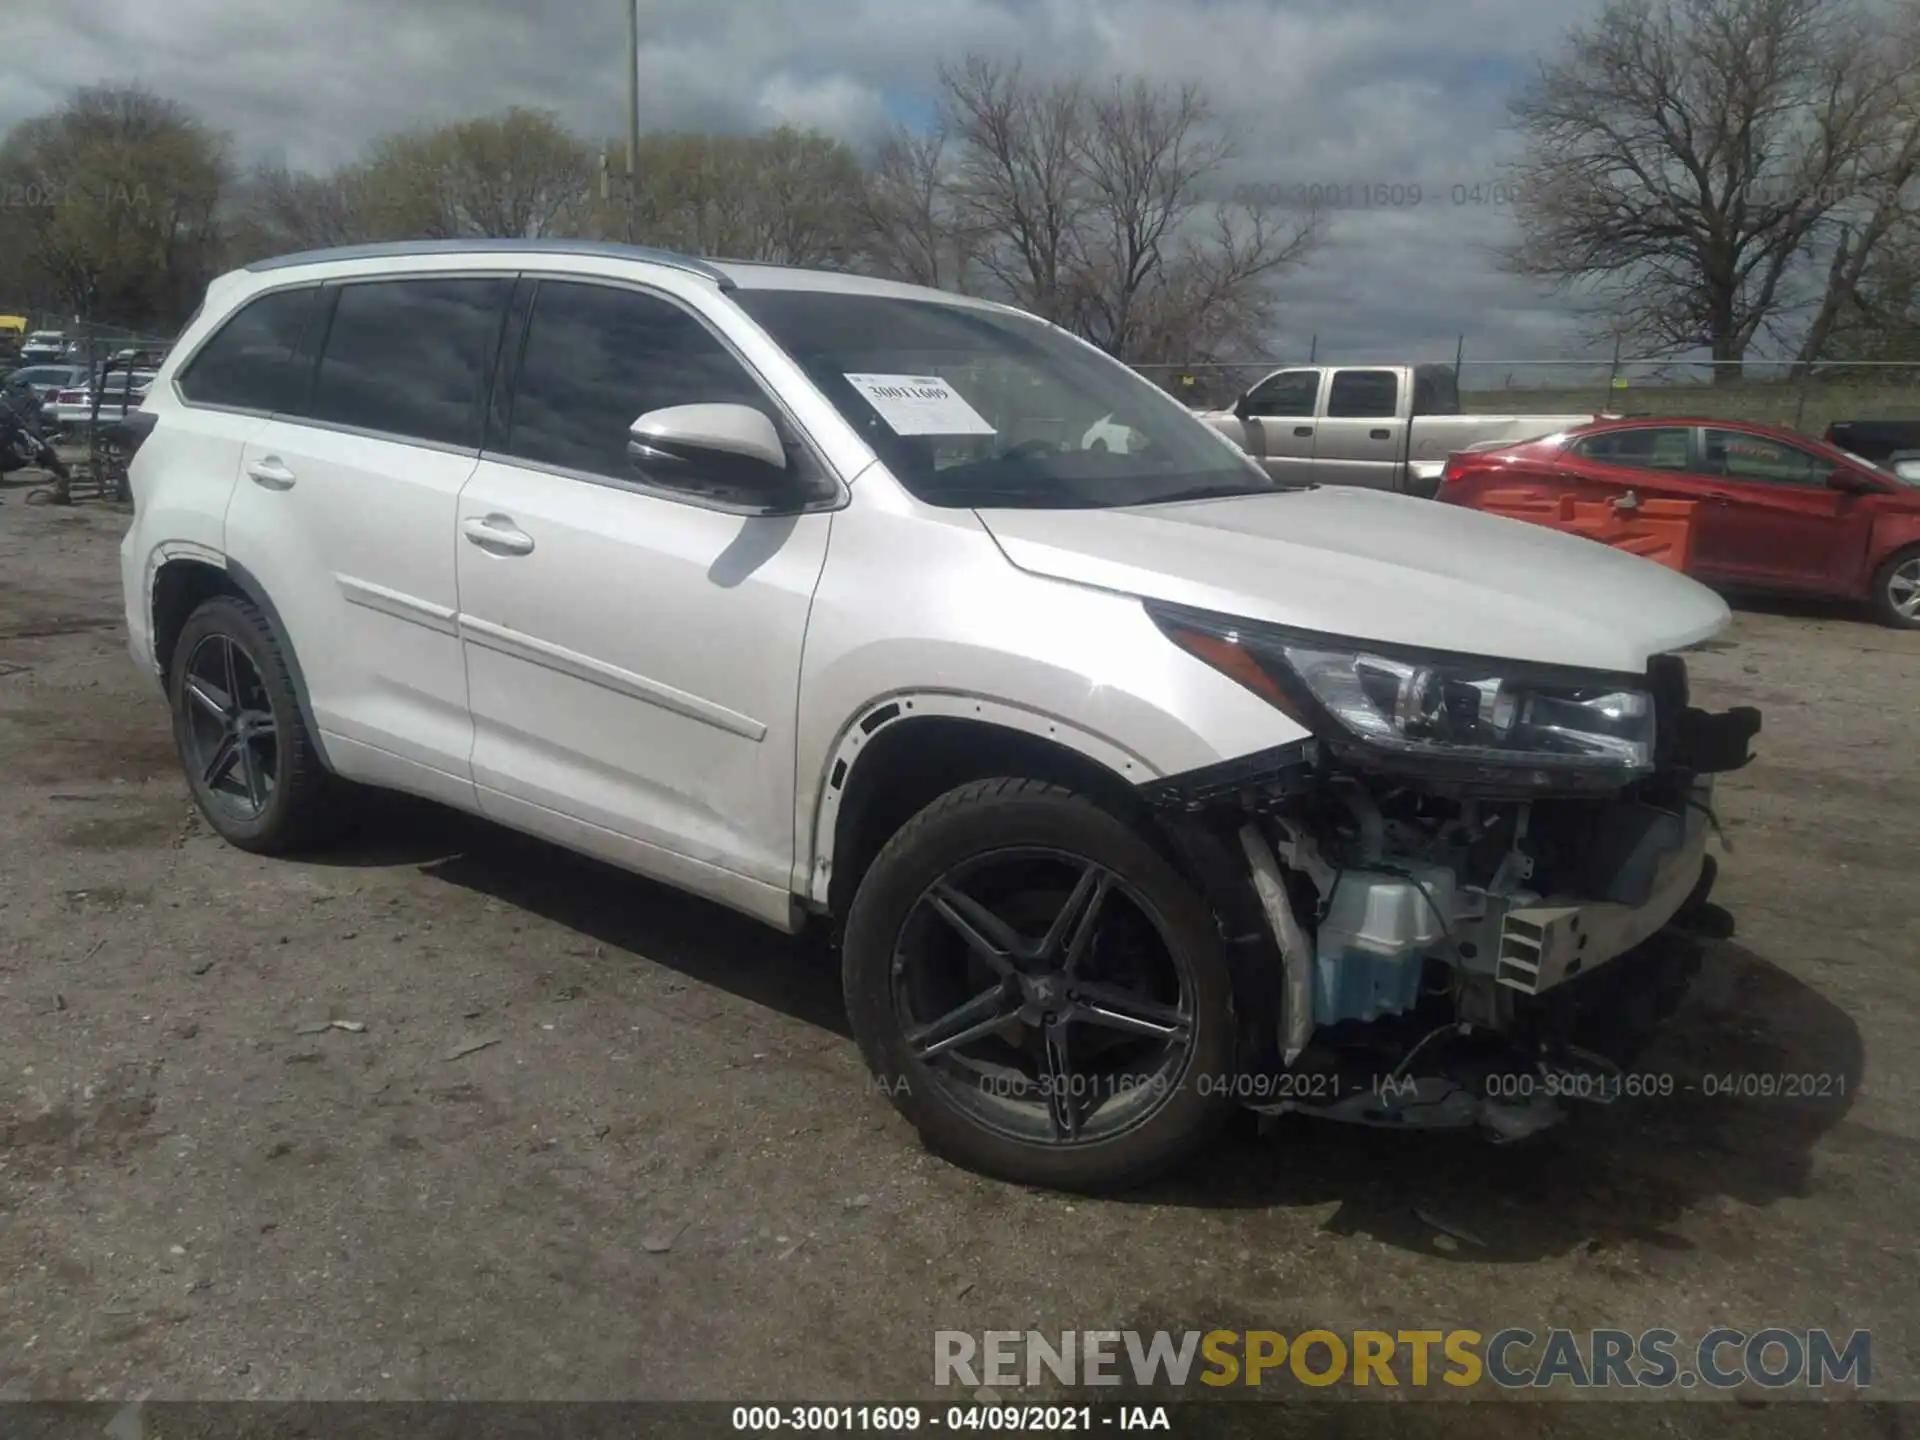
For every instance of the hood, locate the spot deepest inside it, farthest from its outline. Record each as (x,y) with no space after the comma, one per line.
(1377,566)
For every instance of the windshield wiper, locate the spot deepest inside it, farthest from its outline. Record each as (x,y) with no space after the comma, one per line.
(1024,497)
(1228,492)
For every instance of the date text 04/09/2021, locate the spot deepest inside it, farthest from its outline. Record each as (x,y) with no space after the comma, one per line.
(907,1419)
(1319,1087)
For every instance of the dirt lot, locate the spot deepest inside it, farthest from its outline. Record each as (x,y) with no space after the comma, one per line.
(667,1176)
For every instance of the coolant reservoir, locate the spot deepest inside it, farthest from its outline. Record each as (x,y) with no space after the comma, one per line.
(1375,939)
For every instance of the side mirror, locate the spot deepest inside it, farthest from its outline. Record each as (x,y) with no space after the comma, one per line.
(735,446)
(1850,482)
(1242,410)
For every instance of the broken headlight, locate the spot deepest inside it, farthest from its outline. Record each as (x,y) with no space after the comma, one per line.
(1452,709)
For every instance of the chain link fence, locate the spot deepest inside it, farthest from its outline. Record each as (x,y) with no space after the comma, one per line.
(92,344)
(1771,393)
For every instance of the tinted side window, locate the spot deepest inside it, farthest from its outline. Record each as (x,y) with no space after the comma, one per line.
(1436,391)
(1740,456)
(597,359)
(1659,447)
(1290,393)
(1364,395)
(246,364)
(411,357)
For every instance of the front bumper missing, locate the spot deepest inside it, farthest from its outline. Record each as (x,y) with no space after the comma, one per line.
(1543,946)
(1596,881)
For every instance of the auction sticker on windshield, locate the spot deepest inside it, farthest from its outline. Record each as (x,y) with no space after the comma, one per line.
(920,405)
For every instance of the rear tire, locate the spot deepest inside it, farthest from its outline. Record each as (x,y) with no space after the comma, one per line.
(1896,590)
(1148,955)
(252,764)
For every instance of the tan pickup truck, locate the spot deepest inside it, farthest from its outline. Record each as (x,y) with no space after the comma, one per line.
(1388,427)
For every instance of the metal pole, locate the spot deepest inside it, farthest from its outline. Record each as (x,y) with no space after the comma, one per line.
(1606,402)
(1459,358)
(1313,348)
(633,111)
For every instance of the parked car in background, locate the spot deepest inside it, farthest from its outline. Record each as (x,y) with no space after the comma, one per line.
(46,380)
(1875,440)
(1774,509)
(120,392)
(43,346)
(1387,427)
(541,529)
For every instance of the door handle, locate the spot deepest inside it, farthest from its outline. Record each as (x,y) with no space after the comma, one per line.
(498,534)
(271,472)
(1379,434)
(1303,429)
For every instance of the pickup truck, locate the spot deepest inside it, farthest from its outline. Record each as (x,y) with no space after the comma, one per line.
(1876,440)
(1388,427)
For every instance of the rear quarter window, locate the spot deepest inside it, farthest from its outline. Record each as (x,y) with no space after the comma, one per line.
(1653,448)
(246,365)
(1364,395)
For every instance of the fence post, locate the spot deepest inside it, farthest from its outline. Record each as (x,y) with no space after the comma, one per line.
(1459,360)
(1800,397)
(1612,375)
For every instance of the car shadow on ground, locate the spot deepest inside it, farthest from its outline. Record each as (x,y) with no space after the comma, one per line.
(1739,1088)
(1800,607)
(705,942)
(1752,1073)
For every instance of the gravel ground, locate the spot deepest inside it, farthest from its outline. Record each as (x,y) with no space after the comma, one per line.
(582,1137)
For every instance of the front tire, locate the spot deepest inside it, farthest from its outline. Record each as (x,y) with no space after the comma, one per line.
(253,766)
(1896,590)
(1039,991)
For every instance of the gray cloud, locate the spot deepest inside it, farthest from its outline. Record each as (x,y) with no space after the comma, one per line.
(1367,93)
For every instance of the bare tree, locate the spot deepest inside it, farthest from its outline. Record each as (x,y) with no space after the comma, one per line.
(1157,282)
(914,228)
(1088,206)
(1875,247)
(1685,155)
(278,210)
(1211,302)
(1020,181)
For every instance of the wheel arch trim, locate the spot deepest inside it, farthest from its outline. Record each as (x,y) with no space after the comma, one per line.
(1891,535)
(814,871)
(255,592)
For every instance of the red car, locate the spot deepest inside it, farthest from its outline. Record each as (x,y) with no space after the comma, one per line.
(1775,510)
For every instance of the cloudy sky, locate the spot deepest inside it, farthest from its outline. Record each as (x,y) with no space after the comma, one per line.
(1356,95)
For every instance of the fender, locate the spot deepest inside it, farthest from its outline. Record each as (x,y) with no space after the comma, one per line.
(813,868)
(249,586)
(157,559)
(1892,530)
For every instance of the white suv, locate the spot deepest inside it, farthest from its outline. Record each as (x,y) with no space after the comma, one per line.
(1134,784)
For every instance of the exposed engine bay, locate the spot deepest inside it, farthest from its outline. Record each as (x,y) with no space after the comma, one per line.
(1458,949)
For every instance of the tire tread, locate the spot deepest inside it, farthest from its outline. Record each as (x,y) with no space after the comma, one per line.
(1147,1155)
(1882,604)
(312,806)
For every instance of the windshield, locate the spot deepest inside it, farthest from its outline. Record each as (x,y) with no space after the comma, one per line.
(978,407)
(1900,471)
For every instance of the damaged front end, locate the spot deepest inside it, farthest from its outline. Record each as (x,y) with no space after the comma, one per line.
(1478,876)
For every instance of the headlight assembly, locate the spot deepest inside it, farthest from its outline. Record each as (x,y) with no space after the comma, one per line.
(1400,709)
